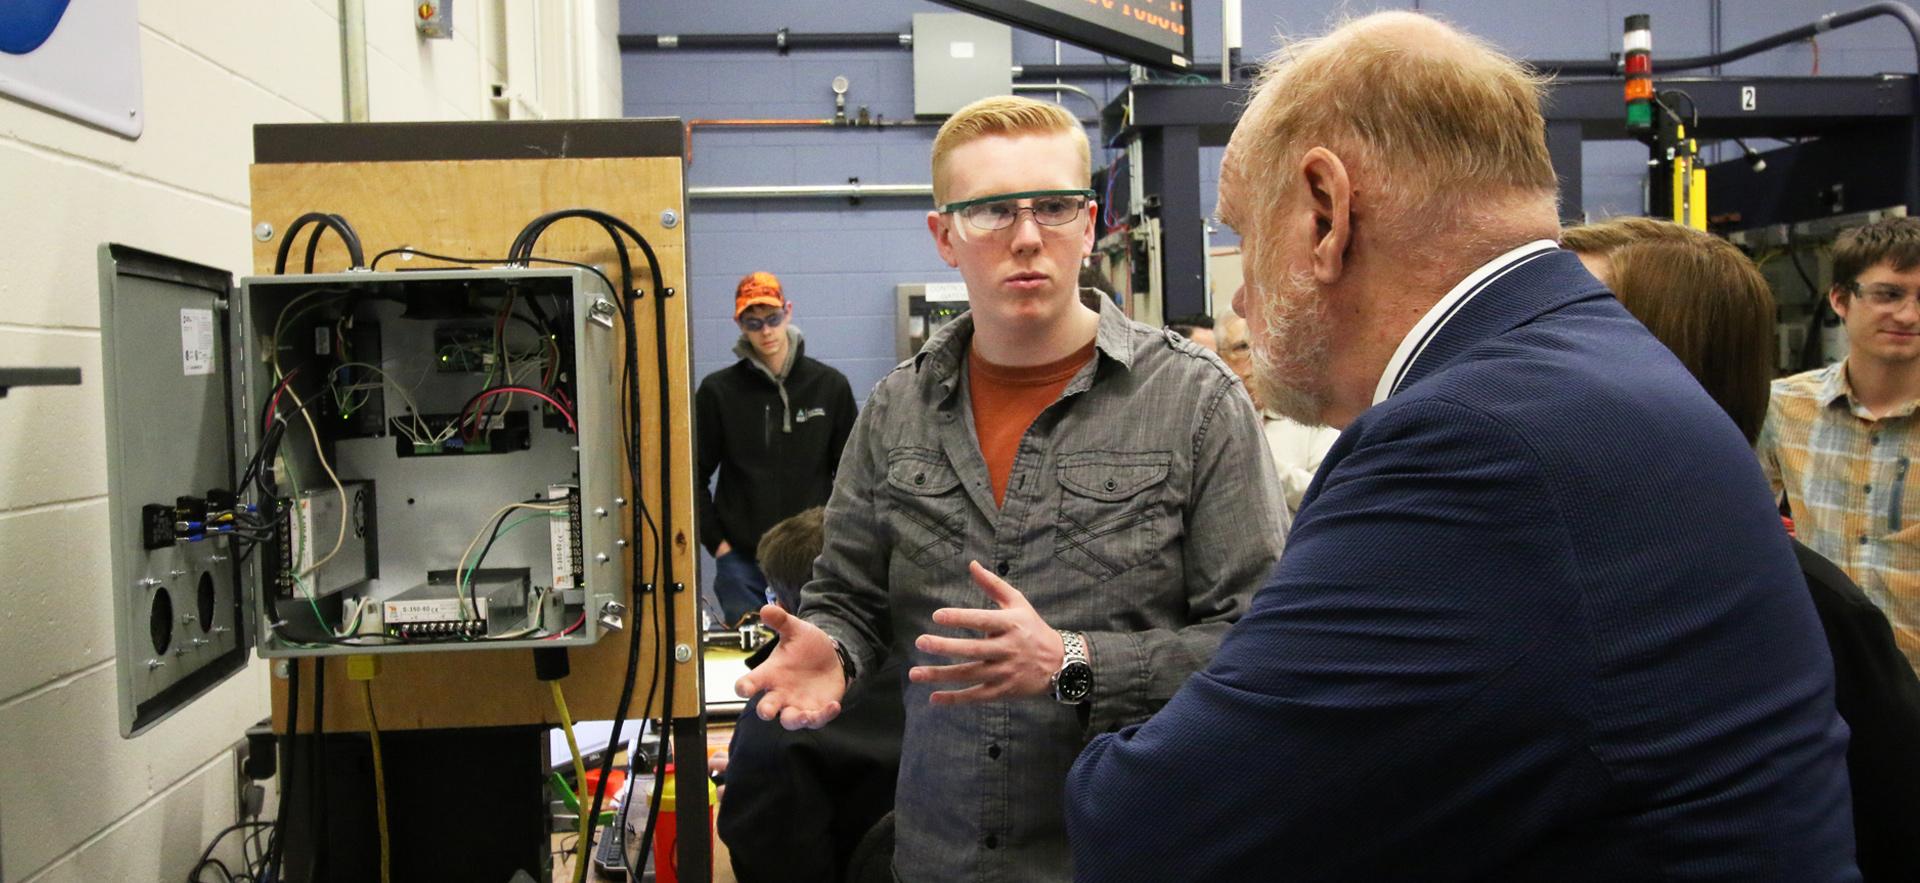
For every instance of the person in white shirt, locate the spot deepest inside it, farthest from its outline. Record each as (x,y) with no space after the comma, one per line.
(1296,448)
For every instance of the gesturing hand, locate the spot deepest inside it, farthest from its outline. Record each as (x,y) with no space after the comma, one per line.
(1016,654)
(802,678)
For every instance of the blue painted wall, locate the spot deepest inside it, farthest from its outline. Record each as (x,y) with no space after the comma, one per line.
(841,262)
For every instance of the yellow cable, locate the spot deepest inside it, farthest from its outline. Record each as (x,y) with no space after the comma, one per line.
(379,785)
(579,777)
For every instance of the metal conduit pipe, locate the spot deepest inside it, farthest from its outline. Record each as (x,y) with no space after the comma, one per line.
(781,40)
(1821,25)
(1060,87)
(821,123)
(1828,22)
(816,191)
(784,40)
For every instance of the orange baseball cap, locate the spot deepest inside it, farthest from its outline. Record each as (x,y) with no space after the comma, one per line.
(757,288)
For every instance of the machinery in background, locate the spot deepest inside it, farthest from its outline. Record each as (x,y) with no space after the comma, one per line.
(921,308)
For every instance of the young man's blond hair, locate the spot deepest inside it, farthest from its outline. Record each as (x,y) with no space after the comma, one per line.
(1003,115)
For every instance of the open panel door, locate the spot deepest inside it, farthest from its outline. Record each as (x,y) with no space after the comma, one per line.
(177,601)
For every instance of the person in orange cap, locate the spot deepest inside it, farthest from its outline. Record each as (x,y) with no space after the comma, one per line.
(773,425)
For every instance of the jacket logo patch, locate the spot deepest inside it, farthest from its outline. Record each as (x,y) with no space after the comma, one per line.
(806,414)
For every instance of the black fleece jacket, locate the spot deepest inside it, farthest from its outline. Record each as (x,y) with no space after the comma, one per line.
(776,442)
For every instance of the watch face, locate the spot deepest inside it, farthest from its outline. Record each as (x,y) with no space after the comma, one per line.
(1075,682)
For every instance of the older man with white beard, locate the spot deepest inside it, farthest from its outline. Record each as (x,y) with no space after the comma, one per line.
(1536,619)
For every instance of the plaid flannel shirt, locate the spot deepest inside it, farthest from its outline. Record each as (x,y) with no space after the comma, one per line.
(1845,473)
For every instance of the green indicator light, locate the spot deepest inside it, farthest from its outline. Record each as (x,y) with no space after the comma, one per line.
(1639,115)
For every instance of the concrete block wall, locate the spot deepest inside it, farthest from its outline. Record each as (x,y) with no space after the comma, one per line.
(78,803)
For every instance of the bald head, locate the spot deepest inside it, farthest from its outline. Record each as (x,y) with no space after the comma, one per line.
(1429,121)
(1374,168)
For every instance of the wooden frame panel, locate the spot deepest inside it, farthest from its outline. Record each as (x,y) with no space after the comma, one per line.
(473,208)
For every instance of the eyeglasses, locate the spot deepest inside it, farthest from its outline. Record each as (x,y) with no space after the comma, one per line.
(1050,208)
(1886,297)
(771,320)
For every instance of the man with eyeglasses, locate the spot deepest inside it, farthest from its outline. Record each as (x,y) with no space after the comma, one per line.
(1111,471)
(1839,441)
(773,425)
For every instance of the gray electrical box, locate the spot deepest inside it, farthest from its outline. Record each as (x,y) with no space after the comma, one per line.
(958,59)
(921,309)
(348,464)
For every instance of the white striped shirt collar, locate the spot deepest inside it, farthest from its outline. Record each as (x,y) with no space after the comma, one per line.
(1429,325)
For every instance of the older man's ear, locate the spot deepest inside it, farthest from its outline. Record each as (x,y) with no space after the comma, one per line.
(1328,193)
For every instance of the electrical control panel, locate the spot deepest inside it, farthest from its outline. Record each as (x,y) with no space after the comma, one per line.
(356,463)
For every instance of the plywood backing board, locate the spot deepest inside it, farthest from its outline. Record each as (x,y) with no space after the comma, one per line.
(474,208)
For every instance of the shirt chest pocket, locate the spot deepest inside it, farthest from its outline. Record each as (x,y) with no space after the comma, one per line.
(1114,511)
(927,503)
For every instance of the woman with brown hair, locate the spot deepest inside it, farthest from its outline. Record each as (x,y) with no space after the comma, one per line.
(1707,302)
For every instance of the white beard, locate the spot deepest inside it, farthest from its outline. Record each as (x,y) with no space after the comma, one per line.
(1290,354)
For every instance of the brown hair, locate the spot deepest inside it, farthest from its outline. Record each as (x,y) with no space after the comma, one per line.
(787,551)
(1893,240)
(1407,100)
(1701,297)
(1605,236)
(1003,115)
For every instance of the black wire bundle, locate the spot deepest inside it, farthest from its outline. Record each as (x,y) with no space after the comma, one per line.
(520,252)
(208,862)
(357,258)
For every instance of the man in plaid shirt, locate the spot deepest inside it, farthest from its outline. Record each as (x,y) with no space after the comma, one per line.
(1839,440)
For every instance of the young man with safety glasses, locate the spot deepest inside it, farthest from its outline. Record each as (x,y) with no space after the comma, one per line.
(773,425)
(1839,441)
(1112,472)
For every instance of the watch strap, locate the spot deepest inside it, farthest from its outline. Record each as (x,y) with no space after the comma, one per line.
(847,668)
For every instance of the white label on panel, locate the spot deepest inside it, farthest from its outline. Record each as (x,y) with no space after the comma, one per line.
(960,49)
(938,292)
(1749,98)
(196,342)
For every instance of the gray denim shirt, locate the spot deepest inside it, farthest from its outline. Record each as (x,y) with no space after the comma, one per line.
(1142,510)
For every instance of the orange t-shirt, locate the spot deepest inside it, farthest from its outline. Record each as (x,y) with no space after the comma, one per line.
(1006,401)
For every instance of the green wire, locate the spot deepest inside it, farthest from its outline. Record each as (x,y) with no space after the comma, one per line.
(465,587)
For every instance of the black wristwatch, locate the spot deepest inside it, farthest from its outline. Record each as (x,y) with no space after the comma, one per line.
(1073,683)
(846,660)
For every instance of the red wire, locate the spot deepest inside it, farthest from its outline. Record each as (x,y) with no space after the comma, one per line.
(273,404)
(570,629)
(490,393)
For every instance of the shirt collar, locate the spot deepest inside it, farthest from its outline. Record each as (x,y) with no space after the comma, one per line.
(1835,386)
(1430,324)
(941,358)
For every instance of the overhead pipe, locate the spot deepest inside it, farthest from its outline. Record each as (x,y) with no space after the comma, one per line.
(1821,25)
(784,40)
(850,190)
(781,41)
(1060,87)
(863,121)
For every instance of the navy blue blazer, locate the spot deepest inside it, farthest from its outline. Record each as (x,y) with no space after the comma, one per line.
(1536,621)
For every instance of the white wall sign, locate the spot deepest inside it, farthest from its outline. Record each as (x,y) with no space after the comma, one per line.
(80,59)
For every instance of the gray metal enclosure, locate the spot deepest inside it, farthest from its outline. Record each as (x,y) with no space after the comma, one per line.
(396,377)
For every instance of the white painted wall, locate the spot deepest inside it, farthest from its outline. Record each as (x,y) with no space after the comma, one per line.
(78,803)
